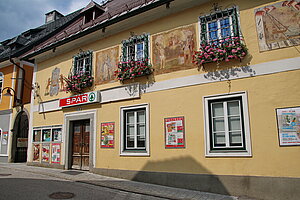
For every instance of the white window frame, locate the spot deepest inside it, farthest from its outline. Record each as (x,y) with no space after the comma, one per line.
(137,152)
(1,85)
(76,61)
(207,132)
(135,52)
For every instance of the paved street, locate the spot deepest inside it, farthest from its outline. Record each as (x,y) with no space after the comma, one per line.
(19,181)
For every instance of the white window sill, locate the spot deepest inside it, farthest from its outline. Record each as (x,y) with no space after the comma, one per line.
(229,154)
(125,153)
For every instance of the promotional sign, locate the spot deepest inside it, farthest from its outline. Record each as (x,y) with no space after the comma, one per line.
(174,132)
(55,156)
(86,98)
(36,152)
(46,136)
(4,138)
(288,120)
(107,135)
(56,134)
(45,152)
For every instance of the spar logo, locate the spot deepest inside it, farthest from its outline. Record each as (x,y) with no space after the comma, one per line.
(79,99)
(92,97)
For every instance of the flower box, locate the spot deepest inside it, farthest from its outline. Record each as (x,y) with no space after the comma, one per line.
(79,82)
(133,69)
(223,50)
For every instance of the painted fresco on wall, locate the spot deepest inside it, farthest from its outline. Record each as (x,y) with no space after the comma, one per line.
(54,87)
(173,50)
(278,25)
(55,84)
(106,64)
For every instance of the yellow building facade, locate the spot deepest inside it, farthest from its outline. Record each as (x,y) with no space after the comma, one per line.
(215,127)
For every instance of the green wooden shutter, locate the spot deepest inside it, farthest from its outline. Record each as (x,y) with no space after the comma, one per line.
(235,22)
(146,42)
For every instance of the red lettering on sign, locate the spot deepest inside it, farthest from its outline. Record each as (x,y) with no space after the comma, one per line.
(79,99)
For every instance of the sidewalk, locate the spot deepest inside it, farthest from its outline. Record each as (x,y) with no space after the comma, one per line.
(120,184)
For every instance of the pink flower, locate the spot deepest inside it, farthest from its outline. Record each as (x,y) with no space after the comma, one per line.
(215,59)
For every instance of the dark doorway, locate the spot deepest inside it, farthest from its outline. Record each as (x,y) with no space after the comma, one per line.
(80,144)
(20,138)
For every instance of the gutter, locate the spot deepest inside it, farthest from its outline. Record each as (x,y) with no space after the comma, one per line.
(100,26)
(23,82)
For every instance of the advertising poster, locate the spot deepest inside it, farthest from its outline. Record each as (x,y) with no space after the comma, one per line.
(288,120)
(36,152)
(56,134)
(107,135)
(36,135)
(55,155)
(174,132)
(46,135)
(45,152)
(4,138)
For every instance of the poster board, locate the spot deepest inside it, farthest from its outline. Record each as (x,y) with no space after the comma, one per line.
(56,134)
(174,132)
(107,135)
(288,123)
(36,152)
(45,152)
(55,153)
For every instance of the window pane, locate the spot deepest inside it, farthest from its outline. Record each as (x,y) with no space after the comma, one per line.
(233,108)
(217,109)
(130,141)
(130,118)
(213,35)
(130,130)
(141,130)
(234,123)
(219,139)
(131,52)
(218,124)
(212,26)
(140,51)
(225,23)
(235,138)
(141,116)
(36,135)
(141,141)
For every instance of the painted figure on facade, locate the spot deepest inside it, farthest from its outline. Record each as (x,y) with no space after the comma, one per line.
(172,50)
(106,64)
(278,25)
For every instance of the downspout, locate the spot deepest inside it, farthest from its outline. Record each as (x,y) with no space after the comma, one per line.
(23,82)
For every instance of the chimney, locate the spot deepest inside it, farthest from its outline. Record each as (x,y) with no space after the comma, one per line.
(52,16)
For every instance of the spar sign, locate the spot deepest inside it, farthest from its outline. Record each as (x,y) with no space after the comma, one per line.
(86,98)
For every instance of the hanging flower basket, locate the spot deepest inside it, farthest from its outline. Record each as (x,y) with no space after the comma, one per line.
(133,69)
(224,50)
(78,83)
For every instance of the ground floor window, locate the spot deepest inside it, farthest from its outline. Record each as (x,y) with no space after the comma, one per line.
(227,125)
(134,130)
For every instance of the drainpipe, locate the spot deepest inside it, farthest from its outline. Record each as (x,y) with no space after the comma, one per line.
(23,82)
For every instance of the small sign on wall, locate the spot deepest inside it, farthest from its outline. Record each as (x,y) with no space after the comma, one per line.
(288,121)
(107,134)
(174,132)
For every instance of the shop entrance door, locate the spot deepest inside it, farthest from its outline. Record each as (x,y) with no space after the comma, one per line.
(80,144)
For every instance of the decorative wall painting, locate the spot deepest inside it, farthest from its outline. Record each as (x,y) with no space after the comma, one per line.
(278,25)
(174,132)
(54,88)
(106,64)
(173,50)
(107,135)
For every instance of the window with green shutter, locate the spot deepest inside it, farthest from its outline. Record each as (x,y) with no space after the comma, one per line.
(82,63)
(136,48)
(219,25)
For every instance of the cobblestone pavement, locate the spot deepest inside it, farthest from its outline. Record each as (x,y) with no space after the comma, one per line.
(119,184)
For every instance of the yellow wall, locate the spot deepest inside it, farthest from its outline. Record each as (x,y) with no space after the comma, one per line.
(8,74)
(265,94)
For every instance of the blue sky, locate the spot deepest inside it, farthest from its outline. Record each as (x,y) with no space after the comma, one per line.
(17,16)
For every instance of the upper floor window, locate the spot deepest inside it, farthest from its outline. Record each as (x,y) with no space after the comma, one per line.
(219,25)
(83,63)
(136,48)
(1,84)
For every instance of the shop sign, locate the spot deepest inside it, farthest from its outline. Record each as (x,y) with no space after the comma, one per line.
(22,142)
(174,132)
(86,98)
(288,120)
